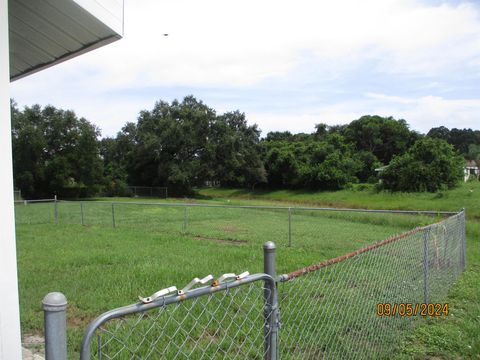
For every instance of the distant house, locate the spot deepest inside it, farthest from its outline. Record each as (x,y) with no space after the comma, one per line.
(471,169)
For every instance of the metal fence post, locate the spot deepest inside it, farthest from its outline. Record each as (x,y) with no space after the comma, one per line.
(113,216)
(463,247)
(271,306)
(425,266)
(81,213)
(55,212)
(289,227)
(54,306)
(185,219)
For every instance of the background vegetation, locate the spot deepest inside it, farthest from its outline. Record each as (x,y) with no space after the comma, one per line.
(186,144)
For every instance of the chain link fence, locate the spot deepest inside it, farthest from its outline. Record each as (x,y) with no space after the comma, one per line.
(359,306)
(148,191)
(356,306)
(228,319)
(313,228)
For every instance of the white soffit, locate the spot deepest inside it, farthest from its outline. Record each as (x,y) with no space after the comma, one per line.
(43,33)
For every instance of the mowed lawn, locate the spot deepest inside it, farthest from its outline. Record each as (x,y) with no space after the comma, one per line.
(99,267)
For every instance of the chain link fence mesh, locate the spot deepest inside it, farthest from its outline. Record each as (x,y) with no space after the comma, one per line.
(314,229)
(329,310)
(227,324)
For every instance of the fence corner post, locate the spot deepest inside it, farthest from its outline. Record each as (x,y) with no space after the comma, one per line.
(271,305)
(54,305)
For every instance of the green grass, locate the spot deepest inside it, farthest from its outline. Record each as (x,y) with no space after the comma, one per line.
(454,337)
(466,195)
(99,267)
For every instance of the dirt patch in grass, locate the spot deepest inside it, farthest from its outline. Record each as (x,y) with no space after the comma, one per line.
(76,318)
(232,229)
(237,242)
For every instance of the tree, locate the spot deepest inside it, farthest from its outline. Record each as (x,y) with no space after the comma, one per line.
(440,132)
(183,144)
(281,165)
(310,162)
(367,163)
(54,152)
(383,137)
(461,139)
(429,165)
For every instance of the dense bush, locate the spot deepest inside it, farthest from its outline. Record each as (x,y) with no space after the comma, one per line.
(429,165)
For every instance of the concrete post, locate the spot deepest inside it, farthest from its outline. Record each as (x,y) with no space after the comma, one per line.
(54,306)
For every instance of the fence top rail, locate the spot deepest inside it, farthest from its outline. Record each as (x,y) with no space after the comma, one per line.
(322,264)
(34,201)
(146,187)
(163,301)
(407,212)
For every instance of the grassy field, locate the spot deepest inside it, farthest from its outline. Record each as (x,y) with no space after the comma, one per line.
(99,267)
(454,337)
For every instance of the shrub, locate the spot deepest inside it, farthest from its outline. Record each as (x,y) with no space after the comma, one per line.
(429,165)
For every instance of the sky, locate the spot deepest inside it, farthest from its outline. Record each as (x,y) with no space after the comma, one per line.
(288,65)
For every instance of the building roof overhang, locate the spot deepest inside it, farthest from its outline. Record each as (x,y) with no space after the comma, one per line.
(43,33)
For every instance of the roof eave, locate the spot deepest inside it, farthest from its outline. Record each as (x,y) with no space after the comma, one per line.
(67,56)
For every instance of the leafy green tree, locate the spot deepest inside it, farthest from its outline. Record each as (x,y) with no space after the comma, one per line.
(235,151)
(183,144)
(279,136)
(367,163)
(429,165)
(461,139)
(54,152)
(473,152)
(440,132)
(282,165)
(383,137)
(328,168)
(310,162)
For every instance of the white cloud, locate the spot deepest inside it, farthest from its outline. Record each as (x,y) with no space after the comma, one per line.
(246,44)
(428,111)
(239,43)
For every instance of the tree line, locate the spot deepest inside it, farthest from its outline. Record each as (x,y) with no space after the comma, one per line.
(185,144)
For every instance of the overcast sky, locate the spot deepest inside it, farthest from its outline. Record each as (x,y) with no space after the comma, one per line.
(287,64)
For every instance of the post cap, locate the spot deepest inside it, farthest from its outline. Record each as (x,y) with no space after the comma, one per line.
(54,301)
(269,246)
